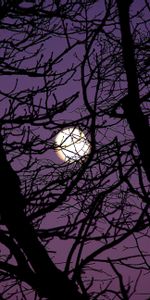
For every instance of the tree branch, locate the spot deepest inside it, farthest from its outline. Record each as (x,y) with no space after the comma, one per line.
(137,121)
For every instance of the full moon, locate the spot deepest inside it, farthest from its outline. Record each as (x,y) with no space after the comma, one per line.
(71,145)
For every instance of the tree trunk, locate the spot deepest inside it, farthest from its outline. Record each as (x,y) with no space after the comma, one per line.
(137,121)
(49,280)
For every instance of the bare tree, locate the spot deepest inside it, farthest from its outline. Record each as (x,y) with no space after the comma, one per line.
(74,230)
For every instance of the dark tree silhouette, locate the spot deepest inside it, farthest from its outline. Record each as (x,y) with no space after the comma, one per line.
(74,230)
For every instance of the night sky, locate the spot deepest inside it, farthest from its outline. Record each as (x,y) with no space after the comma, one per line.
(63,64)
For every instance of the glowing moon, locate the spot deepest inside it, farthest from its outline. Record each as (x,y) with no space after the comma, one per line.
(71,145)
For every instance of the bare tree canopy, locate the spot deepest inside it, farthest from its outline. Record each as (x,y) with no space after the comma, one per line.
(74,211)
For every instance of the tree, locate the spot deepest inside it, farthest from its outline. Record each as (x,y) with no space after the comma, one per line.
(64,225)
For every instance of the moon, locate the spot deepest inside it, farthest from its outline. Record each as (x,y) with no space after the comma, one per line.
(71,145)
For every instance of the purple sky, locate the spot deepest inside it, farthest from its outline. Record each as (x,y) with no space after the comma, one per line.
(51,167)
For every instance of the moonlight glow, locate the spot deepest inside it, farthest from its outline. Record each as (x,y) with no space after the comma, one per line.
(71,145)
